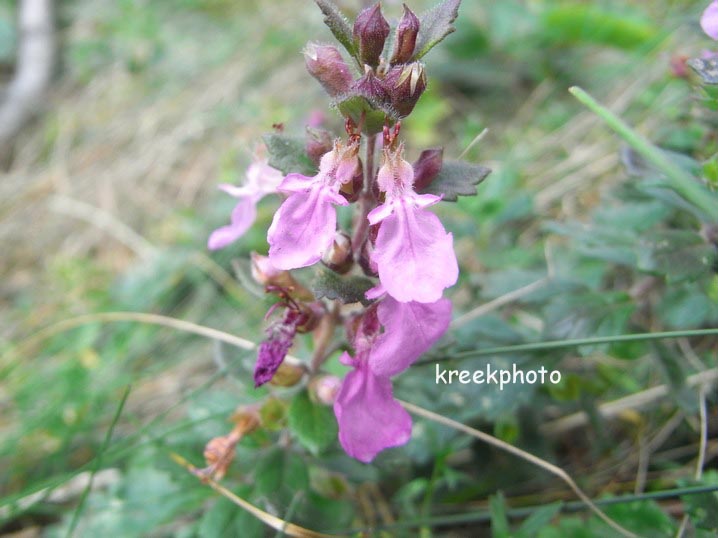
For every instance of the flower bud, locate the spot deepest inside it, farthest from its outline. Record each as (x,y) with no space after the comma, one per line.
(365,258)
(219,453)
(370,33)
(406,33)
(246,419)
(287,375)
(339,258)
(311,315)
(325,388)
(373,89)
(352,189)
(326,64)
(319,142)
(265,274)
(405,83)
(427,167)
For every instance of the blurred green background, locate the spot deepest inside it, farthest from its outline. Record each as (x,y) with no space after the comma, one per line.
(108,195)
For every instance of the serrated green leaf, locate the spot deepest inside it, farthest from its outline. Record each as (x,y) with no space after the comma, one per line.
(457,178)
(346,289)
(676,254)
(288,154)
(338,24)
(360,109)
(645,518)
(435,25)
(312,423)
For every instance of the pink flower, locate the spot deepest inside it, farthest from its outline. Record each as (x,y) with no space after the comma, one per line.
(410,329)
(414,254)
(370,419)
(262,179)
(709,20)
(304,226)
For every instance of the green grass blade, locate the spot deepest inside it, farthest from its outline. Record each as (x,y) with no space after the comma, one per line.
(556,344)
(98,464)
(680,181)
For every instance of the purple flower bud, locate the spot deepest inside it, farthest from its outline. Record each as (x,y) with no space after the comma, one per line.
(405,83)
(339,258)
(319,142)
(373,89)
(326,64)
(427,167)
(280,337)
(370,33)
(406,33)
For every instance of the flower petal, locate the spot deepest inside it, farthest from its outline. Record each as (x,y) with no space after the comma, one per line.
(303,228)
(415,255)
(243,216)
(262,178)
(709,20)
(296,183)
(370,419)
(410,329)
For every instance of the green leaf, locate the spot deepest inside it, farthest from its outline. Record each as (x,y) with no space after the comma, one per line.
(280,474)
(707,69)
(338,24)
(347,289)
(457,178)
(677,254)
(703,507)
(435,25)
(710,171)
(499,521)
(645,518)
(538,520)
(314,424)
(288,154)
(218,521)
(359,109)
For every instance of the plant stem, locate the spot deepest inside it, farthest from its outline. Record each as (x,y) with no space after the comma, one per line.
(680,181)
(366,201)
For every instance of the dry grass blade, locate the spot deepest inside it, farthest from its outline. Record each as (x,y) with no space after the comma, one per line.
(502,445)
(290,529)
(633,402)
(153,319)
(498,302)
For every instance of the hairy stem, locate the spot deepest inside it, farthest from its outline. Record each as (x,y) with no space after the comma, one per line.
(366,201)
